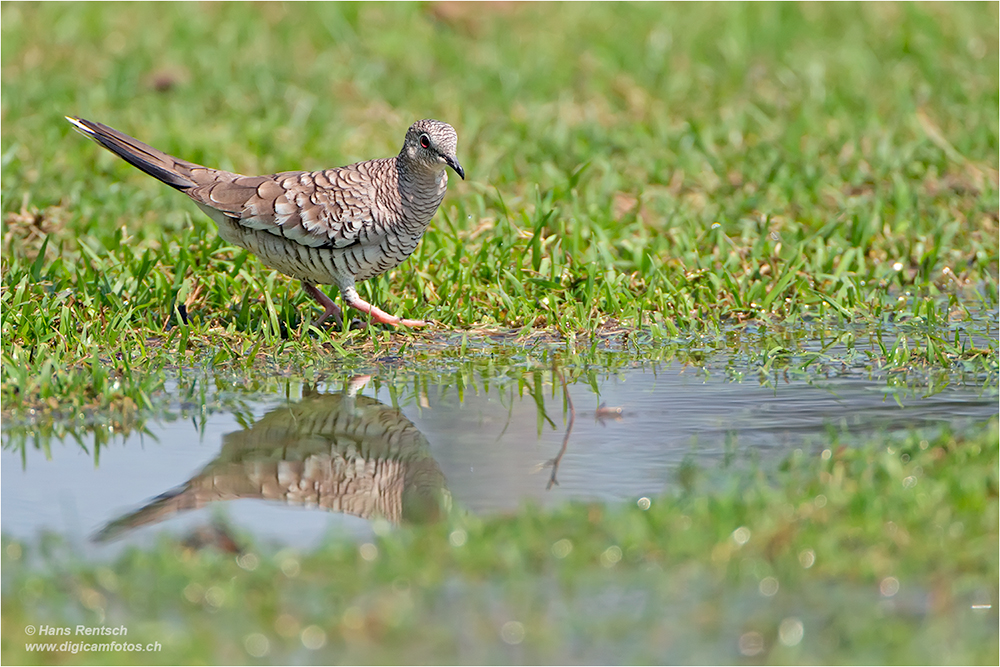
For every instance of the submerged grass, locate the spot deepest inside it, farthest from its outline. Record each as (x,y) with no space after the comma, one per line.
(673,171)
(772,356)
(883,553)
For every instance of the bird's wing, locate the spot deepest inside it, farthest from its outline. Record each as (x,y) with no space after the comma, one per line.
(334,208)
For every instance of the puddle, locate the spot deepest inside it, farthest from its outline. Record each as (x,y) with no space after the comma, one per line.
(406,446)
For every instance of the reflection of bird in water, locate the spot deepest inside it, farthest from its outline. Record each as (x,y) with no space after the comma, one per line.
(341,452)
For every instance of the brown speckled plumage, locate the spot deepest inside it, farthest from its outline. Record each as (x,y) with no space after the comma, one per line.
(336,226)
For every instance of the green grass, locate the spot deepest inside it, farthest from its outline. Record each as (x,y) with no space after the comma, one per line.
(670,170)
(870,554)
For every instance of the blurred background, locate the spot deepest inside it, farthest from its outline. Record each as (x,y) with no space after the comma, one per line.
(670,105)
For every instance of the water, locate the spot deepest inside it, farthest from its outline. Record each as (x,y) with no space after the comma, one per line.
(290,466)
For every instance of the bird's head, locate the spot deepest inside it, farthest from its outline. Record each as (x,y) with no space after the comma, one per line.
(432,143)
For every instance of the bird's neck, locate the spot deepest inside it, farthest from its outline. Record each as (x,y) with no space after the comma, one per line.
(422,187)
(420,173)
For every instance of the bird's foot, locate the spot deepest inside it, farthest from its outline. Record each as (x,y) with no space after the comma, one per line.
(384,318)
(354,300)
(413,323)
(329,307)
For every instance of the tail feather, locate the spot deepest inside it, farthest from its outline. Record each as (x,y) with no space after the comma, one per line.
(159,509)
(156,163)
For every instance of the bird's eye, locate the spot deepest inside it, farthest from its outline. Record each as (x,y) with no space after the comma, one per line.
(425,141)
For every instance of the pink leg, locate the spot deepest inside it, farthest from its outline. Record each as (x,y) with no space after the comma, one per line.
(354,300)
(329,307)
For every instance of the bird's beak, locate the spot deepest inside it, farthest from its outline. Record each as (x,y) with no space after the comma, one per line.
(453,163)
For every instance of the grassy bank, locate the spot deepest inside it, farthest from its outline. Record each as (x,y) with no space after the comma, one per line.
(667,170)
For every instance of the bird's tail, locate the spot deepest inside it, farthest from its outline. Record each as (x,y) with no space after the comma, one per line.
(159,509)
(172,171)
